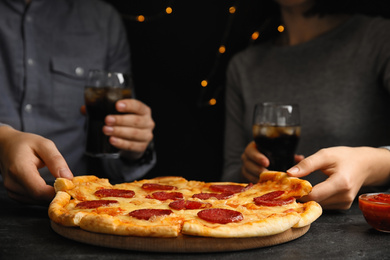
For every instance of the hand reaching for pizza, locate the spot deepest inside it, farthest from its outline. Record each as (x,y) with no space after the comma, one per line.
(21,155)
(348,169)
(133,130)
(254,162)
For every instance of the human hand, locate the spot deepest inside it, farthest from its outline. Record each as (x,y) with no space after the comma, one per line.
(21,155)
(131,131)
(348,169)
(254,162)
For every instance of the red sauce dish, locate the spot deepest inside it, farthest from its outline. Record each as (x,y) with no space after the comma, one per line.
(376,210)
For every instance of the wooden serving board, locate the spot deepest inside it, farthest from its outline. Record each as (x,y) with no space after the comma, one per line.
(181,244)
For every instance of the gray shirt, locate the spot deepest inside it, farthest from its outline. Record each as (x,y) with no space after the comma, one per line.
(46,49)
(341,80)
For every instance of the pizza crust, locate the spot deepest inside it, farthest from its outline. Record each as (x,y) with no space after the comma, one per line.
(264,227)
(59,213)
(62,184)
(110,225)
(312,211)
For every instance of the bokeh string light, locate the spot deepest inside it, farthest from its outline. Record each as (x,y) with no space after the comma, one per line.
(215,88)
(207,84)
(140,18)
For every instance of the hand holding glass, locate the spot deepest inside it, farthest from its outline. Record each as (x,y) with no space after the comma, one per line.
(103,89)
(276,131)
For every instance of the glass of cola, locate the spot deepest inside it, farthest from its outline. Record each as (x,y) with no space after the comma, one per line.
(102,90)
(276,132)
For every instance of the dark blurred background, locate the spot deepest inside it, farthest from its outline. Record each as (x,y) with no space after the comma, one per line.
(172,54)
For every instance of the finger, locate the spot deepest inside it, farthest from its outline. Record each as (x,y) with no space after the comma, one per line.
(338,195)
(251,167)
(333,202)
(129,133)
(323,191)
(47,194)
(336,205)
(21,197)
(298,158)
(310,164)
(249,177)
(133,146)
(132,106)
(254,155)
(54,161)
(130,120)
(30,184)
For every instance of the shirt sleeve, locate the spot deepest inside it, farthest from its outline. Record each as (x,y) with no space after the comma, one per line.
(125,170)
(234,140)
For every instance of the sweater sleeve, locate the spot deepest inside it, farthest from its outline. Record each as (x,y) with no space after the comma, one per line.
(234,140)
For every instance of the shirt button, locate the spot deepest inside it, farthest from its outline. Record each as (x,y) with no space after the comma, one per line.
(28,108)
(29,18)
(30,62)
(79,71)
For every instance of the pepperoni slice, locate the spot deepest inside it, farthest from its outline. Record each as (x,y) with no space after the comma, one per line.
(232,188)
(178,204)
(221,216)
(91,204)
(146,214)
(271,199)
(189,204)
(114,193)
(163,195)
(272,195)
(156,186)
(197,205)
(218,196)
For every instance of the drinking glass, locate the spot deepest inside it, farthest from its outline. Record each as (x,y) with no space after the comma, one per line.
(102,90)
(276,132)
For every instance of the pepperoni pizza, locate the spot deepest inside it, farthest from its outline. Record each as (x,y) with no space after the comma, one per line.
(170,206)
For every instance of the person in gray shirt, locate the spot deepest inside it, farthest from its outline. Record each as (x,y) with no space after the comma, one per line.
(336,66)
(46,49)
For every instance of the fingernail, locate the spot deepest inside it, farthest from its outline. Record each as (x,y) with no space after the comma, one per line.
(110,119)
(108,129)
(293,170)
(113,140)
(65,173)
(121,105)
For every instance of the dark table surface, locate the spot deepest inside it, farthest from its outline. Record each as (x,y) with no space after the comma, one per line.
(25,233)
